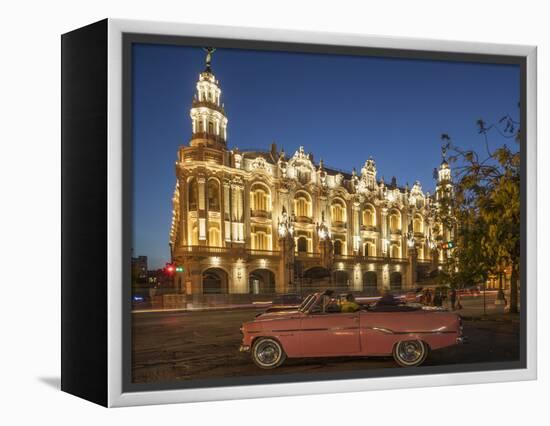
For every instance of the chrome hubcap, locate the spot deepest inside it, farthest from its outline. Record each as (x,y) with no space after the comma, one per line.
(268,353)
(410,351)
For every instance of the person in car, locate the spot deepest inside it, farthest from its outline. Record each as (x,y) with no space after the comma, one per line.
(388,299)
(349,304)
(328,304)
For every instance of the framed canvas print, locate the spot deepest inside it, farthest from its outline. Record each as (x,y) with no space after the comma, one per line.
(251,212)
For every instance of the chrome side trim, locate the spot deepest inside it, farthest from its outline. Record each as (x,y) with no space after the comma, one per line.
(389,331)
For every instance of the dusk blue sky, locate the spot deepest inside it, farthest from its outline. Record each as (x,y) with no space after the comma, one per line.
(342,108)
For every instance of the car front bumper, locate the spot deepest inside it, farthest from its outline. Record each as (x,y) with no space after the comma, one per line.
(461,340)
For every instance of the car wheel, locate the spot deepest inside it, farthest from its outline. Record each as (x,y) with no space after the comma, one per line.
(410,353)
(268,353)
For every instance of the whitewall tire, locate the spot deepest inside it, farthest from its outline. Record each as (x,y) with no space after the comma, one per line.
(410,353)
(267,353)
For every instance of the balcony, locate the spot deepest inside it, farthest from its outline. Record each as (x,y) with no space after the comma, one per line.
(228,251)
(207,104)
(209,250)
(263,253)
(370,259)
(307,255)
(208,136)
(262,214)
(345,257)
(304,219)
(339,224)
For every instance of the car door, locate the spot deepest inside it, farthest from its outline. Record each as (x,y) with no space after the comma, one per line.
(331,334)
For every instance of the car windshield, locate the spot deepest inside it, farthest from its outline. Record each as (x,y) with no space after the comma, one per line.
(304,307)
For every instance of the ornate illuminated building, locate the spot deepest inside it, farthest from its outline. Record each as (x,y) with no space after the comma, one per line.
(264,222)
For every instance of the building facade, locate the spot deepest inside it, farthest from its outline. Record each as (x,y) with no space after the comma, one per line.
(263,222)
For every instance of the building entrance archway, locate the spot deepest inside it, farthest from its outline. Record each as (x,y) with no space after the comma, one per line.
(340,279)
(316,278)
(261,281)
(370,283)
(396,281)
(214,281)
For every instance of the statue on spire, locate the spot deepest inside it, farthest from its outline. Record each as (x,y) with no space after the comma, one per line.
(446,139)
(209,51)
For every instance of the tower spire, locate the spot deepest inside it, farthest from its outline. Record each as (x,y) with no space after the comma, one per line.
(444,185)
(207,112)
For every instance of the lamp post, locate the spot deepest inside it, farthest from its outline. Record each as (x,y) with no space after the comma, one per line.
(286,243)
(411,244)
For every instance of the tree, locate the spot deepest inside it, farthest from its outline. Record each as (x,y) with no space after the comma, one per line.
(487,207)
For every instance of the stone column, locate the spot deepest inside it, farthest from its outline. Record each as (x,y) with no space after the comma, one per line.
(202,209)
(357,278)
(240,212)
(384,230)
(246,215)
(227,211)
(355,230)
(183,237)
(239,278)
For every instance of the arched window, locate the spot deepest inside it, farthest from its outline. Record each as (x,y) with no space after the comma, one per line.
(193,195)
(260,198)
(261,239)
(369,218)
(395,251)
(418,224)
(302,245)
(395,221)
(214,239)
(338,247)
(338,212)
(302,205)
(213,195)
(369,249)
(194,235)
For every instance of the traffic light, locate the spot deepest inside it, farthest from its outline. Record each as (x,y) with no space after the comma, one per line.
(448,245)
(179,269)
(170,268)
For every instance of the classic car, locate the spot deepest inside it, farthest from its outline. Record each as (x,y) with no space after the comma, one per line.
(318,329)
(285,302)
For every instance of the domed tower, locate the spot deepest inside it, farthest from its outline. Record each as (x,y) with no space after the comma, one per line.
(444,187)
(207,113)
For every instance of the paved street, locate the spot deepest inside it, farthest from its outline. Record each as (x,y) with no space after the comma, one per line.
(183,345)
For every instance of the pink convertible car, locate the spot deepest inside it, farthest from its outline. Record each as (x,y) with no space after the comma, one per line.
(317,328)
